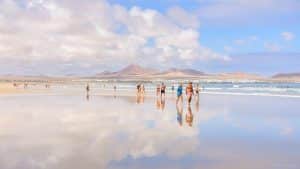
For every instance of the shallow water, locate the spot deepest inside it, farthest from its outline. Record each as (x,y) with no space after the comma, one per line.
(75,132)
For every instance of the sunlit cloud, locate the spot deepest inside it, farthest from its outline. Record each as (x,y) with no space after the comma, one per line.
(99,33)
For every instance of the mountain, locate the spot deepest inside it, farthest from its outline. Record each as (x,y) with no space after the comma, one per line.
(130,70)
(239,75)
(175,72)
(287,76)
(136,70)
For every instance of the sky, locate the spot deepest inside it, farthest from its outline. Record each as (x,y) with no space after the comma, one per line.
(62,37)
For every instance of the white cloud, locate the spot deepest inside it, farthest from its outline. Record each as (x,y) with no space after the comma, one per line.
(272,47)
(288,36)
(97,32)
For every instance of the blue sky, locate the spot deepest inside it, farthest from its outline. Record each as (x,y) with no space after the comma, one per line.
(224,34)
(85,37)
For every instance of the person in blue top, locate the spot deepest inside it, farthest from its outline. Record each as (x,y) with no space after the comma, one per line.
(179,93)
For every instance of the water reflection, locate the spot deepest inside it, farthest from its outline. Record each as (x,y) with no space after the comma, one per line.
(140,98)
(189,117)
(87,97)
(179,109)
(197,102)
(160,103)
(65,132)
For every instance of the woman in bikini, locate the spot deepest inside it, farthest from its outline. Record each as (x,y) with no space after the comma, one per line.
(163,90)
(189,91)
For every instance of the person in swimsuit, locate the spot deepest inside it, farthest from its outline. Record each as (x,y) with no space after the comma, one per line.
(173,88)
(179,93)
(138,88)
(163,90)
(87,88)
(197,90)
(189,91)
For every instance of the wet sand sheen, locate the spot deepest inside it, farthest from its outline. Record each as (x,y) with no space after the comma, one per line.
(59,131)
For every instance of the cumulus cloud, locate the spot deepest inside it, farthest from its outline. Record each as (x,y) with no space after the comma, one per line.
(288,36)
(97,32)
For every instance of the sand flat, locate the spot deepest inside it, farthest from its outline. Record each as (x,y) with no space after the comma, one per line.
(116,132)
(8,88)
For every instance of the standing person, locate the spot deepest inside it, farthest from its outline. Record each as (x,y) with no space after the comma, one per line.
(189,91)
(173,88)
(142,89)
(158,90)
(197,90)
(179,93)
(163,90)
(138,88)
(87,88)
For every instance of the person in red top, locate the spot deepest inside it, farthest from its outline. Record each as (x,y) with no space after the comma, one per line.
(189,91)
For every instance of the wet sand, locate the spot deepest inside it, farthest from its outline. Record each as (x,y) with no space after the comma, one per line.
(7,88)
(68,131)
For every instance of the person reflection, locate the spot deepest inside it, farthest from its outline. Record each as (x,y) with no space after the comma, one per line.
(87,97)
(197,105)
(179,109)
(158,102)
(162,103)
(189,117)
(197,102)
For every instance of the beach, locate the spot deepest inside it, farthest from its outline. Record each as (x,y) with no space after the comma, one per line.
(62,128)
(7,88)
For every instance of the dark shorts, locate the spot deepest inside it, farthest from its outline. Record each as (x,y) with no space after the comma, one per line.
(162,91)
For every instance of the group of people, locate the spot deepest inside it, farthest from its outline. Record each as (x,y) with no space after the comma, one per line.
(189,117)
(189,91)
(25,85)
